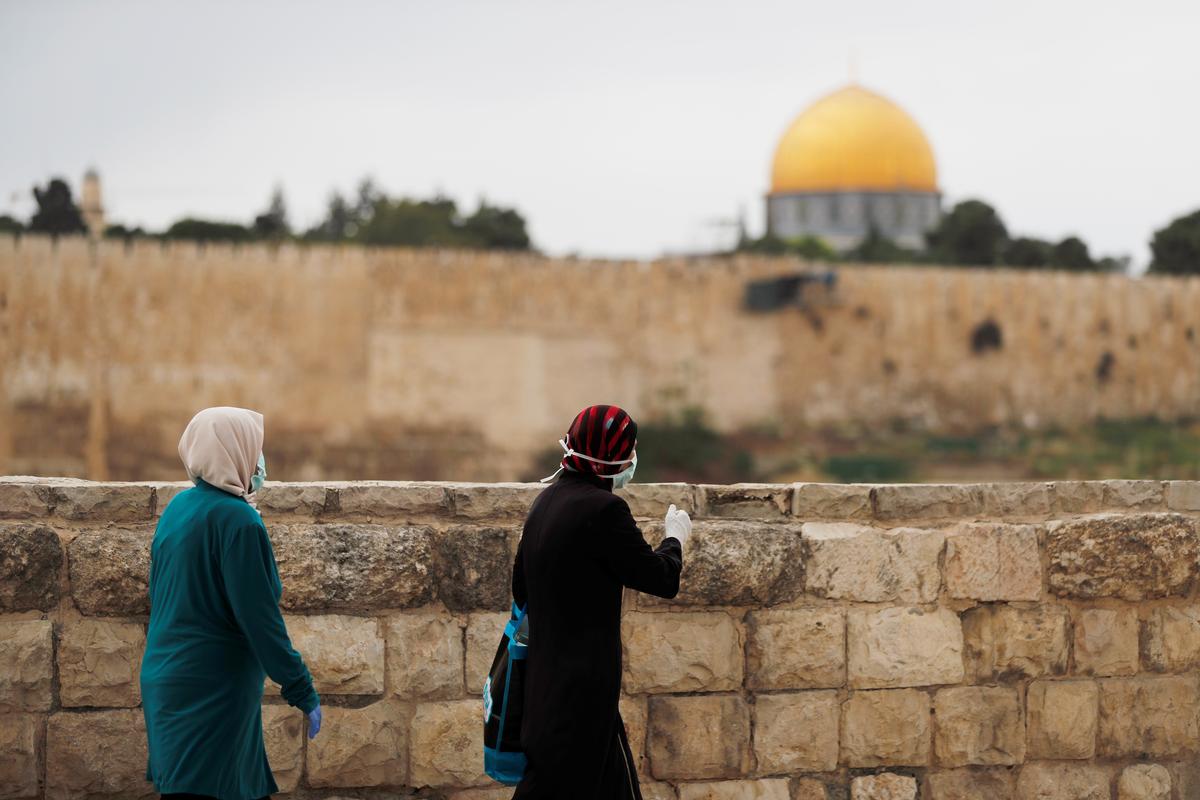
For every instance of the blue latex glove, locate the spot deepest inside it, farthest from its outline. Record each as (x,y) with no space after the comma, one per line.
(314,722)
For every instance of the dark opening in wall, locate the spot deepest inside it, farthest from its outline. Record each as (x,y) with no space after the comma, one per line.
(1191,334)
(862,312)
(1133,343)
(986,336)
(1105,367)
(889,367)
(1104,328)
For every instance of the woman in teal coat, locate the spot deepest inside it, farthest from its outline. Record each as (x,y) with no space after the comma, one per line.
(215,627)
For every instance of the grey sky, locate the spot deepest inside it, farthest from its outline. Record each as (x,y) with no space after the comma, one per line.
(618,128)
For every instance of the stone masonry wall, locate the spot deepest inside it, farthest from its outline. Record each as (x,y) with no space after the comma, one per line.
(891,642)
(394,363)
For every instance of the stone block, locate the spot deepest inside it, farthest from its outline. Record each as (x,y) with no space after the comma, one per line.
(682,652)
(1144,782)
(1106,641)
(885,786)
(979,725)
(1063,719)
(831,501)
(1131,556)
(927,501)
(165,492)
(473,568)
(493,501)
(425,656)
(844,561)
(1183,495)
(1149,717)
(796,732)
(26,665)
(99,662)
(344,654)
(30,559)
(1004,642)
(483,637)
(894,647)
(445,747)
(651,500)
(97,753)
(1078,497)
(809,789)
(698,737)
(1170,639)
(283,734)
(110,571)
(1017,499)
(655,790)
(292,499)
(1048,780)
(991,562)
(23,500)
(886,728)
(759,501)
(736,563)
(360,747)
(762,789)
(493,793)
(802,648)
(19,770)
(633,715)
(972,784)
(355,568)
(107,502)
(398,500)
(1121,494)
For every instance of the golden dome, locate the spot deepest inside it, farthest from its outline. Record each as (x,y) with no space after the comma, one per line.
(853,139)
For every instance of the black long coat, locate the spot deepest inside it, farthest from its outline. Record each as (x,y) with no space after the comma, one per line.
(579,548)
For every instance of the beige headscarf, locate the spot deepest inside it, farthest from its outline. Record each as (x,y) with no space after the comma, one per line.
(221,446)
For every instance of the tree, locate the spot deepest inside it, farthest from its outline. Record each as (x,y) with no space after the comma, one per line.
(1025,251)
(875,248)
(202,230)
(123,232)
(1072,253)
(497,228)
(10,225)
(273,223)
(338,224)
(971,234)
(811,247)
(57,212)
(1176,248)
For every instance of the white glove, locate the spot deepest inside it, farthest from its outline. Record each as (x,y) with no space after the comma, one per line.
(679,525)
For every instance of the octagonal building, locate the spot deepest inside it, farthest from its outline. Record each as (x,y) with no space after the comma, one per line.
(853,160)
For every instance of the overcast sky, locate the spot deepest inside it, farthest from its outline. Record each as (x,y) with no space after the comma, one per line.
(617,128)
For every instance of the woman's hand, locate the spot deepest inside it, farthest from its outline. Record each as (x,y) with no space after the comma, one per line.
(678,525)
(314,722)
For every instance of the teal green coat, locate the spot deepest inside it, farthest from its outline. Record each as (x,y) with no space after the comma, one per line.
(215,629)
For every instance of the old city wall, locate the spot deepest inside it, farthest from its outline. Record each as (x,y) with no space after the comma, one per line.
(392,363)
(890,642)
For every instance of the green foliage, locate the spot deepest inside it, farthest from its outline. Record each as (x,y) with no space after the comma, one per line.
(496,228)
(1025,251)
(811,247)
(867,468)
(1072,253)
(685,447)
(57,212)
(122,232)
(971,234)
(878,249)
(202,230)
(273,223)
(10,225)
(1176,248)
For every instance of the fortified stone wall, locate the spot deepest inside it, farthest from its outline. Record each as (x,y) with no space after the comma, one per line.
(420,364)
(941,642)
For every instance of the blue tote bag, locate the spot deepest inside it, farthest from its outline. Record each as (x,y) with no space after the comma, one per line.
(503,701)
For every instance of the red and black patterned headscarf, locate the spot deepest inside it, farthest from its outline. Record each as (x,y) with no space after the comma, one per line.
(606,433)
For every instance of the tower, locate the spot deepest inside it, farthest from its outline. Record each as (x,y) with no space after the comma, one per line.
(90,204)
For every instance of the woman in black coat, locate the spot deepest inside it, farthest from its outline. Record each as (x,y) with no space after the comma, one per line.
(580,547)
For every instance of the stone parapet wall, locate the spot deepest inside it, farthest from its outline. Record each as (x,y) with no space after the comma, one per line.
(829,642)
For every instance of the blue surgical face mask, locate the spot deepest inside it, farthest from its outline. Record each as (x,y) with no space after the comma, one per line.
(622,479)
(260,474)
